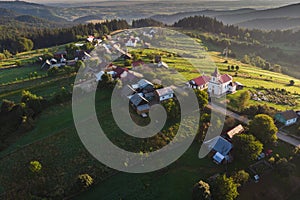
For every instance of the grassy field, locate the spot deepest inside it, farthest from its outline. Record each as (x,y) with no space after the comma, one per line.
(55,144)
(19,74)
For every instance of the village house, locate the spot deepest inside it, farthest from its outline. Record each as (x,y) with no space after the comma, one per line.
(132,42)
(139,103)
(90,38)
(199,83)
(143,86)
(220,148)
(288,117)
(82,55)
(101,73)
(220,85)
(165,93)
(49,64)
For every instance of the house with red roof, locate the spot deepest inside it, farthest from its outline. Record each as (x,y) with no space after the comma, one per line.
(220,85)
(199,83)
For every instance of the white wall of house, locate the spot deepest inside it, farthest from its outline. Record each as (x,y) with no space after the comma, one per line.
(218,88)
(130,43)
(166,97)
(290,122)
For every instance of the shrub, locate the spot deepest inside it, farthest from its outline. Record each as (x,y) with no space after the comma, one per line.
(35,166)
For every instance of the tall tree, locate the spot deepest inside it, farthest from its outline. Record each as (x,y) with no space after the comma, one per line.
(263,128)
(202,98)
(224,188)
(243,100)
(246,147)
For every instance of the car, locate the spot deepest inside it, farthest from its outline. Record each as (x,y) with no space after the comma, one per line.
(256,178)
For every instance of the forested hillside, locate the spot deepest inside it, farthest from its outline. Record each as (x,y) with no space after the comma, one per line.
(22,38)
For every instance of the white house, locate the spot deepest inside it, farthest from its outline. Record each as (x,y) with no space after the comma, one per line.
(101,73)
(90,38)
(132,42)
(220,84)
(165,93)
(199,83)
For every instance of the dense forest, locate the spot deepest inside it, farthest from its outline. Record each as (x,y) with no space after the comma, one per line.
(212,25)
(146,23)
(19,37)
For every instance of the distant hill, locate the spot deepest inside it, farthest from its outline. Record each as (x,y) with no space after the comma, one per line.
(272,24)
(25,8)
(88,18)
(7,13)
(291,11)
(30,19)
(282,18)
(171,19)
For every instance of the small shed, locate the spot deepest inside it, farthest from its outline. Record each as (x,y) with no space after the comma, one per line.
(237,130)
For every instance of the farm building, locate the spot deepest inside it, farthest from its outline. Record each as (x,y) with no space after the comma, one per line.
(139,104)
(165,93)
(237,130)
(288,117)
(144,86)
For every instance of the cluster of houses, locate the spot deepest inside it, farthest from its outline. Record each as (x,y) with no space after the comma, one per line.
(60,59)
(217,84)
(143,94)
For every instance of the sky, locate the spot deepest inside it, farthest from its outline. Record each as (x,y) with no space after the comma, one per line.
(278,2)
(70,1)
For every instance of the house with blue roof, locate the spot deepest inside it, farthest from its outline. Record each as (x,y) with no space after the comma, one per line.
(221,148)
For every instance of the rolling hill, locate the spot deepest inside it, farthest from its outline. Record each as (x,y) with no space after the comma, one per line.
(170,19)
(291,11)
(272,24)
(282,18)
(25,8)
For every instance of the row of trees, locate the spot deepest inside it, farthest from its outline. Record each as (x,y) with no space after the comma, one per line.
(222,187)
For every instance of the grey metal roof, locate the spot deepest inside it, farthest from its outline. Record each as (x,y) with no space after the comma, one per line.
(137,99)
(144,83)
(164,91)
(220,145)
(143,107)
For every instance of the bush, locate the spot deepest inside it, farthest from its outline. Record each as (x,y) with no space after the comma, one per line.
(35,166)
(32,101)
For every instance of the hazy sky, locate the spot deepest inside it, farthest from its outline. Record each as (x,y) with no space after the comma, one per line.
(69,1)
(278,2)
